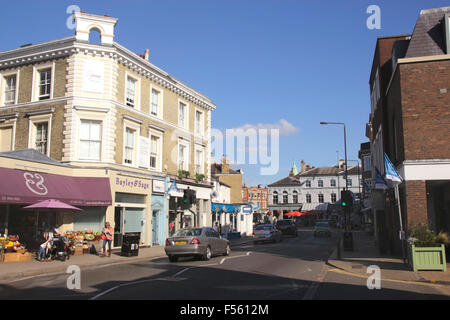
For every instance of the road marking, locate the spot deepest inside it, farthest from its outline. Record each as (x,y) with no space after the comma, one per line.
(173,278)
(309,295)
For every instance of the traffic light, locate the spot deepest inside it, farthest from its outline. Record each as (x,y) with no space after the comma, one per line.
(189,198)
(346,198)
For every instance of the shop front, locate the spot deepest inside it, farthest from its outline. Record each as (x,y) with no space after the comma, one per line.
(131,215)
(26,187)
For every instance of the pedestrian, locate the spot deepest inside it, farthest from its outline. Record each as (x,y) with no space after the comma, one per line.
(219,229)
(216,226)
(107,236)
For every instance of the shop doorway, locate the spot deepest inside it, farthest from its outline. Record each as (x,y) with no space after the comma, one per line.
(128,220)
(155,227)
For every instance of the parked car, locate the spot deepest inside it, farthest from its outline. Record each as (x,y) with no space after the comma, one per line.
(266,232)
(198,242)
(322,228)
(287,226)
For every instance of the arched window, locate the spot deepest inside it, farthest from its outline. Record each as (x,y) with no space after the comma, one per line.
(285,197)
(95,36)
(295,197)
(275,197)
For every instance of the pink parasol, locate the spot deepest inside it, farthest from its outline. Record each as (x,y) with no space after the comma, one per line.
(294,214)
(52,204)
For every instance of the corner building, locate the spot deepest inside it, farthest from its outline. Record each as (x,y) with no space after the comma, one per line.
(100,106)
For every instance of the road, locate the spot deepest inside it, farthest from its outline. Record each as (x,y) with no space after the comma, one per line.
(294,269)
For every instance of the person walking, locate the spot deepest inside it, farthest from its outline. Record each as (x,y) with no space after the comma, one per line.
(107,236)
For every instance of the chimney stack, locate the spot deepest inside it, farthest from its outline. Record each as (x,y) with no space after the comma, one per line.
(225,165)
(307,167)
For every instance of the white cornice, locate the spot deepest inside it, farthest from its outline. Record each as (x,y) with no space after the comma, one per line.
(68,46)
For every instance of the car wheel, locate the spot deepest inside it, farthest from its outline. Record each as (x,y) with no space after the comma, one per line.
(227,250)
(207,254)
(173,259)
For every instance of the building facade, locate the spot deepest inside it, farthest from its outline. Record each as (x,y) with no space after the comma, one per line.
(99,105)
(313,189)
(410,83)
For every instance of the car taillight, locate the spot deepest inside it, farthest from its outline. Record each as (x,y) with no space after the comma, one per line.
(167,242)
(195,241)
(271,231)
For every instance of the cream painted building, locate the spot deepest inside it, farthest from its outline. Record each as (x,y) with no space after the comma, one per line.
(101,107)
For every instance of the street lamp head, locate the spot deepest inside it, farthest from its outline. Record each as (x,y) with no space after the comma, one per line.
(324,123)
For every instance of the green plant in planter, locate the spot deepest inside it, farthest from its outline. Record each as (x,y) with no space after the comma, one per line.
(183,174)
(199,177)
(421,236)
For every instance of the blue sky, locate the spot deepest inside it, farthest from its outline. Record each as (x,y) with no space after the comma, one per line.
(260,61)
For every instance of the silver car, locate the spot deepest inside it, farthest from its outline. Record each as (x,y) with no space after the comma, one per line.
(266,232)
(200,242)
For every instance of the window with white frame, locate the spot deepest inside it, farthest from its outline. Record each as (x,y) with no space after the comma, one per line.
(183,157)
(333,197)
(333,183)
(308,198)
(41,137)
(10,89)
(349,182)
(130,99)
(90,139)
(154,152)
(199,161)
(308,183)
(129,146)
(295,197)
(198,122)
(45,83)
(320,198)
(155,103)
(285,197)
(320,183)
(275,197)
(182,114)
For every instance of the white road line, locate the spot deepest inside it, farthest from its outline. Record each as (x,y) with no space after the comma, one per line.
(149,280)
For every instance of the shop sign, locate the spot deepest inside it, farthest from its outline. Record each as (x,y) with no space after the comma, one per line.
(247,209)
(158,186)
(132,183)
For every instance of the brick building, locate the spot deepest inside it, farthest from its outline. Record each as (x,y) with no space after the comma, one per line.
(258,196)
(409,121)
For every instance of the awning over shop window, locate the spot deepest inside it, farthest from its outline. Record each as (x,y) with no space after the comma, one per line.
(314,207)
(220,207)
(20,186)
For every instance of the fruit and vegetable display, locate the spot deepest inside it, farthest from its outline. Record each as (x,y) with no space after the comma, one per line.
(81,239)
(11,244)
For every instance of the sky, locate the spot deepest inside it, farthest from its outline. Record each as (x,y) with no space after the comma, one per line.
(284,64)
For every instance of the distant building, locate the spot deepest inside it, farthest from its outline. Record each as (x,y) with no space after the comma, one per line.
(232,178)
(313,189)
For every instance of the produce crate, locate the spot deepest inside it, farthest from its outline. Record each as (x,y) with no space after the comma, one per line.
(78,251)
(17,257)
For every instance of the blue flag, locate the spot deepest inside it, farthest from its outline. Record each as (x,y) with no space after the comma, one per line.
(391,173)
(173,186)
(380,183)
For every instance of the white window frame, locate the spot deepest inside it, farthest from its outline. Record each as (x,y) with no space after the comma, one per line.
(186,114)
(319,196)
(308,195)
(10,123)
(160,145)
(160,107)
(35,91)
(199,131)
(186,144)
(136,128)
(33,122)
(3,76)
(200,149)
(101,139)
(137,91)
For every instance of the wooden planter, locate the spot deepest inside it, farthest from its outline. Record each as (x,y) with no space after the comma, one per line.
(427,258)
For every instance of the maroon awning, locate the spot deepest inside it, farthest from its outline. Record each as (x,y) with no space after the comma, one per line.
(20,186)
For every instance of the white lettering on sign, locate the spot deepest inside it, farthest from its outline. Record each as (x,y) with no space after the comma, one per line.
(34,186)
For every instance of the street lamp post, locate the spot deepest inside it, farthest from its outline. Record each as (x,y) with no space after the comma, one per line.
(348,236)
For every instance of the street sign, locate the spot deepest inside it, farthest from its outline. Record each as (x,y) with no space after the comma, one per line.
(247,209)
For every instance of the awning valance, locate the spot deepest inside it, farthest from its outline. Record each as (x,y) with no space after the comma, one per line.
(26,187)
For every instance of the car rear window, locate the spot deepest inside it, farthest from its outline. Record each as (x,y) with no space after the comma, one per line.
(188,232)
(264,227)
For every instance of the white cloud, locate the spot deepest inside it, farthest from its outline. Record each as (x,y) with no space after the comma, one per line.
(285,127)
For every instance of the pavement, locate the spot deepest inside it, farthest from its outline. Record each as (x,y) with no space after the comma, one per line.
(392,268)
(13,271)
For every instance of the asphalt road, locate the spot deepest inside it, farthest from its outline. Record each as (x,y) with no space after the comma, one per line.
(294,269)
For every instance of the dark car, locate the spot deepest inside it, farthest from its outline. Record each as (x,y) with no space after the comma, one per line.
(287,226)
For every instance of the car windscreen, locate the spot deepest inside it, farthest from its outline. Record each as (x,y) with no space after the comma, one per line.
(188,232)
(264,228)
